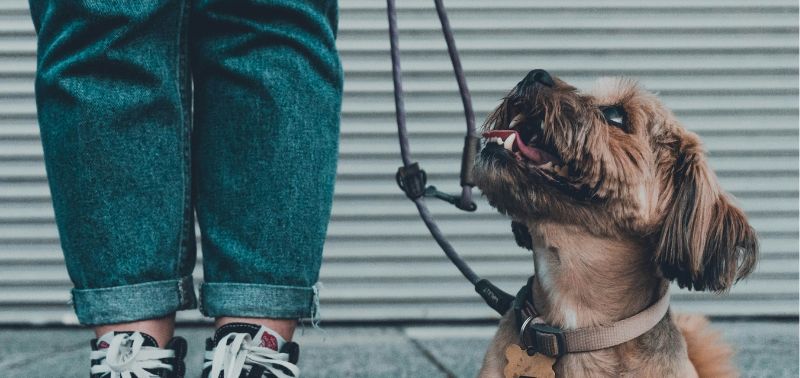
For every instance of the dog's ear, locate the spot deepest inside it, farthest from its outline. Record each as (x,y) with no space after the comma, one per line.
(521,235)
(705,242)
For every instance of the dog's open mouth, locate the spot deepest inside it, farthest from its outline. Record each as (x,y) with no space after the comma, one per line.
(524,139)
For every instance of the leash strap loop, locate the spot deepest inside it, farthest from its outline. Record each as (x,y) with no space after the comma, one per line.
(471,147)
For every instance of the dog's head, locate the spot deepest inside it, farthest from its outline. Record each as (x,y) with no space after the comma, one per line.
(617,162)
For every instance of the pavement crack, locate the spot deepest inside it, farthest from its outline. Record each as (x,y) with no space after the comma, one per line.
(431,358)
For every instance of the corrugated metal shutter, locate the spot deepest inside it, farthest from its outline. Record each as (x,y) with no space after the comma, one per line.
(728,69)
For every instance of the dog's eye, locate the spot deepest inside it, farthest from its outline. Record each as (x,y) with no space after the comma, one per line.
(614,116)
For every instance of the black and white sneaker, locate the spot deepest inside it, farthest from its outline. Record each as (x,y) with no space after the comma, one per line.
(240,350)
(136,355)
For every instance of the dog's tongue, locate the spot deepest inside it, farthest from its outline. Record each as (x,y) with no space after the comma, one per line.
(533,154)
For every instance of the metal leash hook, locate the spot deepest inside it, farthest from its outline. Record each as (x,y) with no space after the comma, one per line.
(413,180)
(431,191)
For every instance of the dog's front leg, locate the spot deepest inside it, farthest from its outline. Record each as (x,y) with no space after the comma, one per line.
(495,360)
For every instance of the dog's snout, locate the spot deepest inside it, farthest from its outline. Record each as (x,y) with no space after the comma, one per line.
(539,76)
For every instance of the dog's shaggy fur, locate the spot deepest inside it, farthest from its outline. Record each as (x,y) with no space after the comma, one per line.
(617,205)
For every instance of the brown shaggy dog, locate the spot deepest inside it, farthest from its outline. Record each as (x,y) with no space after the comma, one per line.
(618,200)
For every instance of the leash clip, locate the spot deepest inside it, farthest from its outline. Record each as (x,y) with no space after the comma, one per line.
(431,191)
(542,338)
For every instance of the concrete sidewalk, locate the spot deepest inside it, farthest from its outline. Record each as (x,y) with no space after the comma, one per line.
(765,349)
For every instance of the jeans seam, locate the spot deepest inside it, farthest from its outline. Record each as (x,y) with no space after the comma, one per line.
(259,285)
(112,288)
(181,63)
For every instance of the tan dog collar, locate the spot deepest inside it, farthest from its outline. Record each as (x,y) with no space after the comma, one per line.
(537,337)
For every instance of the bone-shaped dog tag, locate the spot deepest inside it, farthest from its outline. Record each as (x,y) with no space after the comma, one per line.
(519,364)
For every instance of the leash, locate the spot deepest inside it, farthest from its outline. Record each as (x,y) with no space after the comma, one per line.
(535,336)
(413,180)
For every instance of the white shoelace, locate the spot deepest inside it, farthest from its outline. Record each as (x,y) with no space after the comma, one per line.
(231,358)
(125,356)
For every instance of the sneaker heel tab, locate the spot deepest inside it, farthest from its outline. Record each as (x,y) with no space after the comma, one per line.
(179,345)
(293,350)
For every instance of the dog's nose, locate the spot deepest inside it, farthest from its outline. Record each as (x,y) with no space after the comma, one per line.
(539,76)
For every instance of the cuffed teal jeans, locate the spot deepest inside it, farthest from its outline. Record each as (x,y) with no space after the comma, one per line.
(152,111)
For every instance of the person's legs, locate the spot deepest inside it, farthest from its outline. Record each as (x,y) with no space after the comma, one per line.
(268,86)
(113,103)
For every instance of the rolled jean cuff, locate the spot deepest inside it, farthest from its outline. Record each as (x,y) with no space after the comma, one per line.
(257,300)
(134,302)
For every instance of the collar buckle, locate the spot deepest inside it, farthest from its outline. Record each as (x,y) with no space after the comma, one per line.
(542,338)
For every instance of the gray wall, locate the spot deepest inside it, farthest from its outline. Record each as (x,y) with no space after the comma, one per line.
(729,70)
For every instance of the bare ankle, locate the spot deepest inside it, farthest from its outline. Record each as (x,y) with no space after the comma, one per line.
(284,327)
(161,329)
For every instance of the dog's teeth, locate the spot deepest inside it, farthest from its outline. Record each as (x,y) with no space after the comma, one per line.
(499,140)
(548,165)
(561,170)
(509,143)
(516,121)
